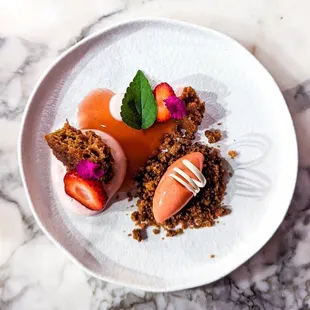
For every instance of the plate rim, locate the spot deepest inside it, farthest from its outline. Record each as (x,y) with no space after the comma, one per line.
(25,115)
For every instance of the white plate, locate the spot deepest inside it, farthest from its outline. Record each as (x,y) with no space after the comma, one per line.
(238,91)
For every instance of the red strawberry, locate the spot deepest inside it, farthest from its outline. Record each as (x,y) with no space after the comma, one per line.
(90,193)
(161,92)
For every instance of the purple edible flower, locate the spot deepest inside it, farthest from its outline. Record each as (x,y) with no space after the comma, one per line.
(176,107)
(89,170)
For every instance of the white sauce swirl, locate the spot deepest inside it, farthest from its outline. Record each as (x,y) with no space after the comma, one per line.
(191,184)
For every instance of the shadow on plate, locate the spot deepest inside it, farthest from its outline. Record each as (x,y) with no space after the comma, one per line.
(247,181)
(283,252)
(215,97)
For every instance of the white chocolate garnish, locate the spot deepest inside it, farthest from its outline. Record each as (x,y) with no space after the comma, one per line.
(191,184)
(115,106)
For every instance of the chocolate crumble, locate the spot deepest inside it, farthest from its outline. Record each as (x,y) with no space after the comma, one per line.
(213,136)
(203,209)
(233,154)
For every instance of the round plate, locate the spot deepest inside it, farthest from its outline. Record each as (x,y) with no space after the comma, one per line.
(239,93)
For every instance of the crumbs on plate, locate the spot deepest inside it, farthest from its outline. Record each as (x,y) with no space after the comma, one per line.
(233,154)
(213,135)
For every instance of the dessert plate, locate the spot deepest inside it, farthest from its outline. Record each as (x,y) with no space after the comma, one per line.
(239,93)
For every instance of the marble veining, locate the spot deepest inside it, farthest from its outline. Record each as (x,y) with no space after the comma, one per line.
(34,274)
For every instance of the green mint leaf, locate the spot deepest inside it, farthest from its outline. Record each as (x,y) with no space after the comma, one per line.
(130,115)
(139,107)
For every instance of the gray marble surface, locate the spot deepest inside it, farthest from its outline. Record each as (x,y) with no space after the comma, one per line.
(34,274)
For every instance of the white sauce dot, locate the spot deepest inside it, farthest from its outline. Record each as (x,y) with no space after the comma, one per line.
(115,106)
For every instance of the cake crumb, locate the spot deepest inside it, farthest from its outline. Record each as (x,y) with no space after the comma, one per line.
(129,235)
(219,124)
(137,234)
(233,154)
(142,225)
(135,216)
(129,195)
(212,256)
(213,135)
(162,238)
(172,233)
(156,231)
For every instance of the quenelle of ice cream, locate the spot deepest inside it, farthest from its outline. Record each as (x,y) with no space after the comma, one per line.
(119,171)
(182,180)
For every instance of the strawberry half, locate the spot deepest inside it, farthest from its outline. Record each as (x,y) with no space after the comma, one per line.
(161,92)
(90,193)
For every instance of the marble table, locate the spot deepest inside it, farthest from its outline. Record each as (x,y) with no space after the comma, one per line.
(34,274)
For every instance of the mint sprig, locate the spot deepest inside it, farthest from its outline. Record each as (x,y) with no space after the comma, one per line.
(139,107)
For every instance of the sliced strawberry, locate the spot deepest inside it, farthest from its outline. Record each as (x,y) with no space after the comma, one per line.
(90,193)
(161,92)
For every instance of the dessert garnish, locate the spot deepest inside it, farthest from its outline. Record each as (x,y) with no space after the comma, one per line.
(137,234)
(176,107)
(174,192)
(162,92)
(95,112)
(70,146)
(90,193)
(213,136)
(89,170)
(88,156)
(139,108)
(201,210)
(233,154)
(191,184)
(115,105)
